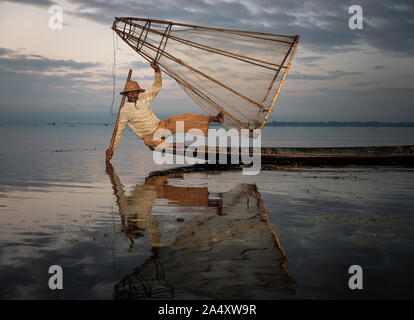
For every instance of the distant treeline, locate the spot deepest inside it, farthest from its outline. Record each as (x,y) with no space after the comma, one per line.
(338,124)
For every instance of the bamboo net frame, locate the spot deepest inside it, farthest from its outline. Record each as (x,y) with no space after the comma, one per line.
(255,65)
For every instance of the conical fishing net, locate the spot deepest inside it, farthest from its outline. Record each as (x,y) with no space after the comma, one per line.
(237,72)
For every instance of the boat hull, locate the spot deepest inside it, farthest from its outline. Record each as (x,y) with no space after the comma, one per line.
(337,156)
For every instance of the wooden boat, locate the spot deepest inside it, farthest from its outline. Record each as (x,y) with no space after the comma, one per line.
(315,156)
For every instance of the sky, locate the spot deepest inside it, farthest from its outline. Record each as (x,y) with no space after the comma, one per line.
(337,74)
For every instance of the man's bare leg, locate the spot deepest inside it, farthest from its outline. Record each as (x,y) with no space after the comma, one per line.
(191,121)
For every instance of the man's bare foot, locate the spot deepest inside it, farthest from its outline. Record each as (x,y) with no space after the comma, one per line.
(218,118)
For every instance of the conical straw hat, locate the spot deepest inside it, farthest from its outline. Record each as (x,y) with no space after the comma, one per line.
(132,86)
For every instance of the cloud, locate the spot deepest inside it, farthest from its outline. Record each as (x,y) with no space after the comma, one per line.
(330,76)
(42,81)
(4,51)
(33,2)
(27,62)
(362,83)
(29,72)
(323,25)
(310,59)
(36,87)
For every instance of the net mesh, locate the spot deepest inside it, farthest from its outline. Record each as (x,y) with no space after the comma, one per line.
(237,72)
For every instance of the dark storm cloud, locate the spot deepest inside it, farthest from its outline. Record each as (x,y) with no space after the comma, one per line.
(189,11)
(323,25)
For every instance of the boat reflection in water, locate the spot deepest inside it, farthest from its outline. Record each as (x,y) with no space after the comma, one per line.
(228,253)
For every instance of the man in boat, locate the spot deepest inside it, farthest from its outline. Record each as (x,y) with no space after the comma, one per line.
(137,114)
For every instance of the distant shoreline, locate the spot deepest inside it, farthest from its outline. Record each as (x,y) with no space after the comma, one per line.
(268,124)
(338,124)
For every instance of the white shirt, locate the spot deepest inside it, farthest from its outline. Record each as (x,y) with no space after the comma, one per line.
(138,115)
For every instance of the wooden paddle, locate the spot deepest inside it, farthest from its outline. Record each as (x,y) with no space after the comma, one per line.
(111,145)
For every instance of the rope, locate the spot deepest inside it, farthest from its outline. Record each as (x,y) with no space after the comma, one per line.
(114,247)
(113,75)
(114,71)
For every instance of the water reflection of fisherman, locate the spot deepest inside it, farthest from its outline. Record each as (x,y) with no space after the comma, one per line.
(135,208)
(231,254)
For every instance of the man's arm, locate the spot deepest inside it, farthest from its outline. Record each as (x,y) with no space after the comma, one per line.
(117,186)
(123,121)
(157,85)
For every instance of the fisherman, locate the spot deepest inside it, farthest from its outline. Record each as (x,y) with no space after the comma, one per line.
(137,114)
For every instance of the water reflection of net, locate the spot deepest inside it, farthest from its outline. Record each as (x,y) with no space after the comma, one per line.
(234,254)
(139,286)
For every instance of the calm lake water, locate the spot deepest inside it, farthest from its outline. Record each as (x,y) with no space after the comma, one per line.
(125,232)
